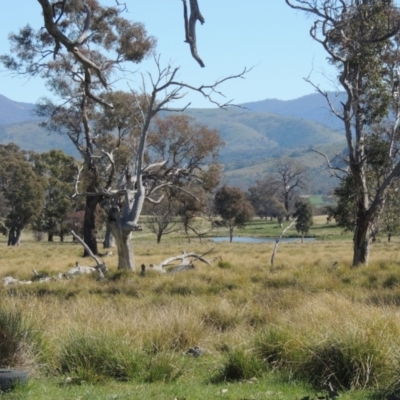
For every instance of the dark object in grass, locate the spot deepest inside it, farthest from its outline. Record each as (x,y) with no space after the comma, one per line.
(9,378)
(195,351)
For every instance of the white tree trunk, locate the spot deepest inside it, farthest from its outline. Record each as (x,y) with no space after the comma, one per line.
(109,241)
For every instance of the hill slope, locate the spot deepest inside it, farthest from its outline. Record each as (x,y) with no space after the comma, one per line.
(313,107)
(13,112)
(252,138)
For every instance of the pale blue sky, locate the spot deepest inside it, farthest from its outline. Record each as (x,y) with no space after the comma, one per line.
(266,34)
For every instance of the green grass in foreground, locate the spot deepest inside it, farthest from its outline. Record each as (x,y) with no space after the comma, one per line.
(50,389)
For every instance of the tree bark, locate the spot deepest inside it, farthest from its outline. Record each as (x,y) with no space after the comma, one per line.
(362,241)
(230,234)
(89,224)
(109,240)
(14,237)
(50,237)
(123,239)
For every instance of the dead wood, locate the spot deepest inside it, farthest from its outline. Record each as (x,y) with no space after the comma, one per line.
(277,242)
(186,262)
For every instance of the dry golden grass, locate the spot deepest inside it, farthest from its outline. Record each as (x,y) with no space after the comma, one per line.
(311,294)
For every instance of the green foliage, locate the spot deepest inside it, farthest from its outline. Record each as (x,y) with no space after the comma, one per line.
(231,205)
(59,170)
(304,216)
(23,192)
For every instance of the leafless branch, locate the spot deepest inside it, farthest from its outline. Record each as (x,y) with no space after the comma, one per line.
(86,247)
(190,27)
(277,241)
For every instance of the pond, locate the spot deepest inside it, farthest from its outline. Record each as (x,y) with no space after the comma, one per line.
(248,239)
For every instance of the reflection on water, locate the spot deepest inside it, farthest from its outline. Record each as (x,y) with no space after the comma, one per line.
(248,239)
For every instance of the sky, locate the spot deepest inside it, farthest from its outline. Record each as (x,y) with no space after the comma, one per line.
(265,35)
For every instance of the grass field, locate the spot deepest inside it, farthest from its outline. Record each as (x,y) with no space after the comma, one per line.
(267,333)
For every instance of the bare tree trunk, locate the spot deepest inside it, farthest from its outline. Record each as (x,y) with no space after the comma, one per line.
(230,234)
(89,224)
(50,237)
(123,240)
(362,241)
(14,237)
(109,241)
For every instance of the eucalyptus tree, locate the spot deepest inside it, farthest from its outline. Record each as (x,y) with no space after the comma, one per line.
(304,217)
(59,171)
(81,76)
(22,191)
(233,208)
(82,47)
(360,38)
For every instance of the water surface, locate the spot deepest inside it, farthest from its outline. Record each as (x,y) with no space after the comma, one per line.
(248,239)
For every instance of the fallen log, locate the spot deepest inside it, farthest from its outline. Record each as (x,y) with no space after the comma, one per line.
(186,262)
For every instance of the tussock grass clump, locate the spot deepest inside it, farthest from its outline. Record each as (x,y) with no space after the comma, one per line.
(162,368)
(347,364)
(18,338)
(93,357)
(224,264)
(221,316)
(239,365)
(272,347)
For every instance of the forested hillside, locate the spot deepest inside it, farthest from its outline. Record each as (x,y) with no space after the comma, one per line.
(253,135)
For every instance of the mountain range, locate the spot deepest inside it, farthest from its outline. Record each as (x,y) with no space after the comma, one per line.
(254,134)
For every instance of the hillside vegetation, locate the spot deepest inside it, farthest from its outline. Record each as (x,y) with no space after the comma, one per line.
(252,138)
